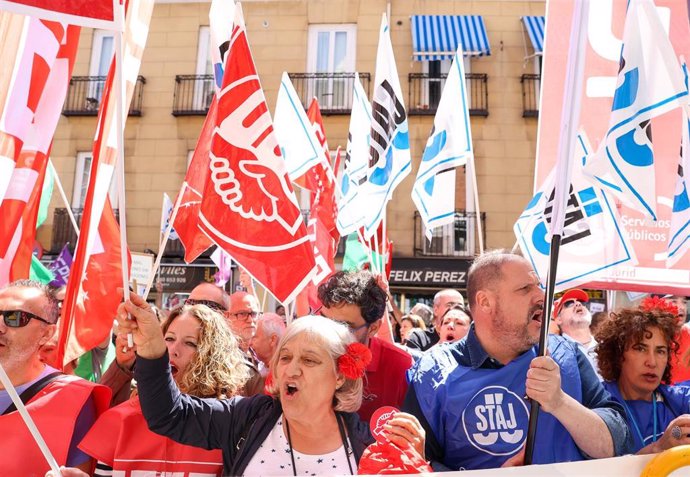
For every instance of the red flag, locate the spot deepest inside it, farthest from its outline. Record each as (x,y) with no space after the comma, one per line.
(248,207)
(91,298)
(89,13)
(187,218)
(19,208)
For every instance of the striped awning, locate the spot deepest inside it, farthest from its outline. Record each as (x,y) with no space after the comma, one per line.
(534,26)
(436,37)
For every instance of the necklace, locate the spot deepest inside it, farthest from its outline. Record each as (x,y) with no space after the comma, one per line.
(632,419)
(343,436)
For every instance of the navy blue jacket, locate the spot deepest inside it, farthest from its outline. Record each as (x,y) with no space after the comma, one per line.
(237,426)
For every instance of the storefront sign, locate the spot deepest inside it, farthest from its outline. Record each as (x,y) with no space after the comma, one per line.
(182,278)
(430,272)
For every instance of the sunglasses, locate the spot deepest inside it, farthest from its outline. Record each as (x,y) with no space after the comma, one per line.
(570,303)
(211,304)
(20,318)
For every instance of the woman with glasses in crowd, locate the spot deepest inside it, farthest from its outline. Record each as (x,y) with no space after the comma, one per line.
(307,425)
(204,361)
(633,351)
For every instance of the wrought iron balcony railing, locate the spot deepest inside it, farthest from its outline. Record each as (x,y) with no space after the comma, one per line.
(531,84)
(193,95)
(333,90)
(425,93)
(456,239)
(85,93)
(63,230)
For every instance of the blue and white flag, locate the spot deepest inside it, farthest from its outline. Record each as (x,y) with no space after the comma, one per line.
(298,143)
(350,212)
(680,217)
(166,213)
(389,149)
(593,239)
(650,83)
(449,146)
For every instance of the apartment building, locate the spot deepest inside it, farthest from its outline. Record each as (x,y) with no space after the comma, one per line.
(321,44)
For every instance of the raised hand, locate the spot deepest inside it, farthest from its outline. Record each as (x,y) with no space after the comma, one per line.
(144,326)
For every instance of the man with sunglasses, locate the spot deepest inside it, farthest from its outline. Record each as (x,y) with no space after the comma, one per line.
(574,319)
(62,407)
(357,300)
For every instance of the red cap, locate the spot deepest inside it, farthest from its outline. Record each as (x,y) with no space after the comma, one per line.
(575,293)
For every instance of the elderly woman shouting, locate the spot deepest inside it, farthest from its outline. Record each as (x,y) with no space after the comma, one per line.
(306,426)
(633,351)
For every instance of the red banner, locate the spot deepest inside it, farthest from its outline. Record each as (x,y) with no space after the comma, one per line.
(605,28)
(248,207)
(88,13)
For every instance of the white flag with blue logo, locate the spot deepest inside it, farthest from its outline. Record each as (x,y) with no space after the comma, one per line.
(389,147)
(449,146)
(298,142)
(350,211)
(680,217)
(593,239)
(166,212)
(650,83)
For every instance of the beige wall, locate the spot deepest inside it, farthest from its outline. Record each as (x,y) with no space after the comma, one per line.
(157,143)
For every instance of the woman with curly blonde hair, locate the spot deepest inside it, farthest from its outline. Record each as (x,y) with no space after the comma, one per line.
(633,352)
(205,361)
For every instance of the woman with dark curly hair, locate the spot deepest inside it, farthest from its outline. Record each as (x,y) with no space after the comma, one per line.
(633,352)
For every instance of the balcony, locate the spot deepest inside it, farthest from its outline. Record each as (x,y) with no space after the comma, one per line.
(333,90)
(63,231)
(531,85)
(193,95)
(425,93)
(457,239)
(85,93)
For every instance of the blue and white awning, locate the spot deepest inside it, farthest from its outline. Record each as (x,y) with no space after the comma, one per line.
(534,26)
(436,37)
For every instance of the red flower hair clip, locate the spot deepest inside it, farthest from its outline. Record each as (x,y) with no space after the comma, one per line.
(654,303)
(355,361)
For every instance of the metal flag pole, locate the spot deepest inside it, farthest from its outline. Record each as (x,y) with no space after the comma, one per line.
(477,209)
(570,118)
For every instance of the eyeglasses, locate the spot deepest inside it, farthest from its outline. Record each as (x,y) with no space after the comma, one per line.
(570,303)
(245,315)
(20,318)
(211,304)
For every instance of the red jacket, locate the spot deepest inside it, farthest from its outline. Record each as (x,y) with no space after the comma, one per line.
(54,410)
(121,439)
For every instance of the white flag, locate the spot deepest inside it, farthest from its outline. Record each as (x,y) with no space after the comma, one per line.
(449,146)
(593,239)
(166,212)
(298,142)
(650,83)
(350,213)
(221,16)
(389,147)
(680,217)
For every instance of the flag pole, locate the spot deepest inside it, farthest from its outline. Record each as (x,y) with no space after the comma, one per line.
(29,422)
(164,242)
(477,209)
(570,118)
(68,206)
(119,115)
(384,244)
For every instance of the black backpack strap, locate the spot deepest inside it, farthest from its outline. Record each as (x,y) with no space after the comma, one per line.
(34,389)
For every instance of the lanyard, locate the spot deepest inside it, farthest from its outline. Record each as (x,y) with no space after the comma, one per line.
(632,419)
(343,436)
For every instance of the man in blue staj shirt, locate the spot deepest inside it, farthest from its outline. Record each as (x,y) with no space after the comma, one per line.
(471,395)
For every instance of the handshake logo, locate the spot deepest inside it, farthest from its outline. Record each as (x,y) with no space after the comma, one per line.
(495,420)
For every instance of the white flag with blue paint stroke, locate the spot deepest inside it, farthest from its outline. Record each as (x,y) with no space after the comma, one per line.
(221,20)
(680,217)
(650,83)
(350,211)
(449,146)
(389,148)
(296,137)
(593,239)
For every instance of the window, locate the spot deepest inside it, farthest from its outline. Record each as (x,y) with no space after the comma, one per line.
(203,87)
(436,72)
(81,181)
(102,51)
(331,50)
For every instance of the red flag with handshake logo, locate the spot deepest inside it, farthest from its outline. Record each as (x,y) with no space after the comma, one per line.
(248,207)
(88,13)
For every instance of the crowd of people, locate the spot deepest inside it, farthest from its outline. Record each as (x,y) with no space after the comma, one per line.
(217,386)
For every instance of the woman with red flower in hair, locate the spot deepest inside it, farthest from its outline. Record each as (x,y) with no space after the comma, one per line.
(633,349)
(306,425)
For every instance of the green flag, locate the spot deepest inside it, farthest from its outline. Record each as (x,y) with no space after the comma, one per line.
(357,254)
(46,194)
(39,272)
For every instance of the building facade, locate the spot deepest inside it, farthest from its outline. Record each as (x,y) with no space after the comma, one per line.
(321,44)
